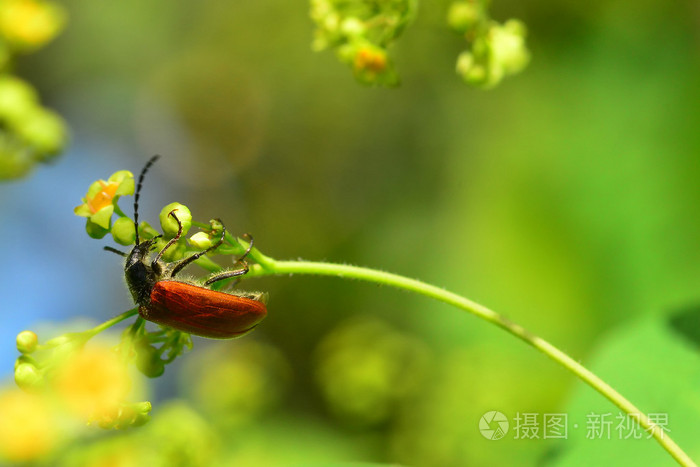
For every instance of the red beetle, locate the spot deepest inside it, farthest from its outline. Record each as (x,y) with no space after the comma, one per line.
(181,304)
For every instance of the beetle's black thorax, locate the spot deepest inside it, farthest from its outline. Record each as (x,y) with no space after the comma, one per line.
(140,276)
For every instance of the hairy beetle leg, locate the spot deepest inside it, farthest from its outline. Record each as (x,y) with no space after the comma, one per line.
(238,272)
(196,256)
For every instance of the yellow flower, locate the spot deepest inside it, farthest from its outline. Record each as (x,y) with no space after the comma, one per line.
(98,204)
(27,426)
(92,383)
(30,24)
(370,59)
(103,197)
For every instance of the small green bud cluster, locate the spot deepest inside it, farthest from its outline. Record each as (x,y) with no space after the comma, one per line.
(30,133)
(127,415)
(31,372)
(28,375)
(63,368)
(152,350)
(360,32)
(494,51)
(210,236)
(169,226)
(101,203)
(149,351)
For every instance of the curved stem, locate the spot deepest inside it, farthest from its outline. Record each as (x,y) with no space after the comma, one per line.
(117,319)
(269,266)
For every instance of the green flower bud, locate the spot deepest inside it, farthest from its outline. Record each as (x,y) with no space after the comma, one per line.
(463,16)
(142,410)
(44,130)
(352,27)
(146,231)
(204,240)
(25,359)
(141,419)
(508,48)
(215,225)
(123,231)
(94,230)
(17,98)
(142,407)
(473,72)
(27,342)
(148,360)
(27,376)
(200,240)
(174,253)
(169,224)
(331,22)
(129,415)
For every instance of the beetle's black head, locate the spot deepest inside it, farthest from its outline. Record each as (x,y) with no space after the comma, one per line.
(140,276)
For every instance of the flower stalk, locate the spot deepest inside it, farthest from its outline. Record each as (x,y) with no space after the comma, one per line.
(269,266)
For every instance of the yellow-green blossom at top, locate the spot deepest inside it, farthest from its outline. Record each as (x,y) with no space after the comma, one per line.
(98,204)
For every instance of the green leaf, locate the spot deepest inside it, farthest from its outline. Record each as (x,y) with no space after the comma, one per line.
(656,371)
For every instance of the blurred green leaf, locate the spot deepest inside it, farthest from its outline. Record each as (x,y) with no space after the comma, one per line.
(659,373)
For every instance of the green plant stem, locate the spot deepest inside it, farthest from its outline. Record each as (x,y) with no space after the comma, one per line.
(269,266)
(117,319)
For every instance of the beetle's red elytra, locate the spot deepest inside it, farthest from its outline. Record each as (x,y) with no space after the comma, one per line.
(202,311)
(182,305)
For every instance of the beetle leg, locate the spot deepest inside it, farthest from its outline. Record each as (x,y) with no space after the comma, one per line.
(172,240)
(249,237)
(196,256)
(228,275)
(237,272)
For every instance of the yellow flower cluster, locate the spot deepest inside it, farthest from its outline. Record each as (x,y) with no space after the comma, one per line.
(494,51)
(29,24)
(74,387)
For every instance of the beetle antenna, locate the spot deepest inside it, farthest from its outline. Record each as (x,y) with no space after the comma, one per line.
(114,250)
(148,165)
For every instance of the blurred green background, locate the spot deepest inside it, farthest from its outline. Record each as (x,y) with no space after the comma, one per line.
(567,199)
